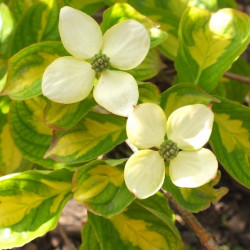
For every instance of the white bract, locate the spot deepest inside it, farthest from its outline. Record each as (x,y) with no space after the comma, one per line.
(70,79)
(189,127)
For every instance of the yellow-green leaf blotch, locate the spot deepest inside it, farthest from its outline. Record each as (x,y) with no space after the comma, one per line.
(26,69)
(209,43)
(93,136)
(22,198)
(230,139)
(100,187)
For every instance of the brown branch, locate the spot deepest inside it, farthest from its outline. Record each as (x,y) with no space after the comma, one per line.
(205,238)
(236,77)
(69,244)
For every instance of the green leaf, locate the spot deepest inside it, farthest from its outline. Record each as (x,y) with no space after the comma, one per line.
(158,206)
(167,20)
(149,68)
(183,94)
(87,6)
(227,4)
(177,7)
(30,204)
(59,115)
(195,199)
(89,240)
(3,72)
(168,14)
(230,139)
(134,229)
(6,28)
(209,43)
(100,187)
(93,136)
(38,23)
(26,69)
(11,159)
(29,133)
(122,11)
(4,106)
(18,7)
(148,92)
(169,23)
(232,89)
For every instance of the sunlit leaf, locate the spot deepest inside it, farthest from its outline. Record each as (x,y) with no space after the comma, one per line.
(26,69)
(6,28)
(100,187)
(148,93)
(230,139)
(38,23)
(30,134)
(11,159)
(149,68)
(93,136)
(183,94)
(209,43)
(18,7)
(196,199)
(59,115)
(122,11)
(30,204)
(139,227)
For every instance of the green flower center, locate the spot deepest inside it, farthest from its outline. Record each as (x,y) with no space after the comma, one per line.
(168,150)
(100,62)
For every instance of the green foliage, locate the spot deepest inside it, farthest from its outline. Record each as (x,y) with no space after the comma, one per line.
(230,139)
(139,227)
(93,136)
(61,116)
(196,199)
(121,11)
(31,62)
(100,187)
(70,144)
(38,23)
(234,89)
(31,203)
(208,47)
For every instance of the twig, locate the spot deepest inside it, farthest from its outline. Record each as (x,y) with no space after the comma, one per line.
(205,238)
(236,77)
(69,244)
(240,78)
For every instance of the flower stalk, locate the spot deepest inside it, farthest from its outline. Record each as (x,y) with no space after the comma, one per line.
(205,238)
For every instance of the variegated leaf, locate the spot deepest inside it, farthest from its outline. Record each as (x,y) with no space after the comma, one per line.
(30,204)
(140,226)
(30,134)
(93,136)
(230,139)
(100,187)
(209,43)
(57,115)
(26,69)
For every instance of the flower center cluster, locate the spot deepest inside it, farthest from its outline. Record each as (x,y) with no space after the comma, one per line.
(168,150)
(100,62)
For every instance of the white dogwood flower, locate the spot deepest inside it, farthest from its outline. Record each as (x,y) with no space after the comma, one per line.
(70,79)
(187,129)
